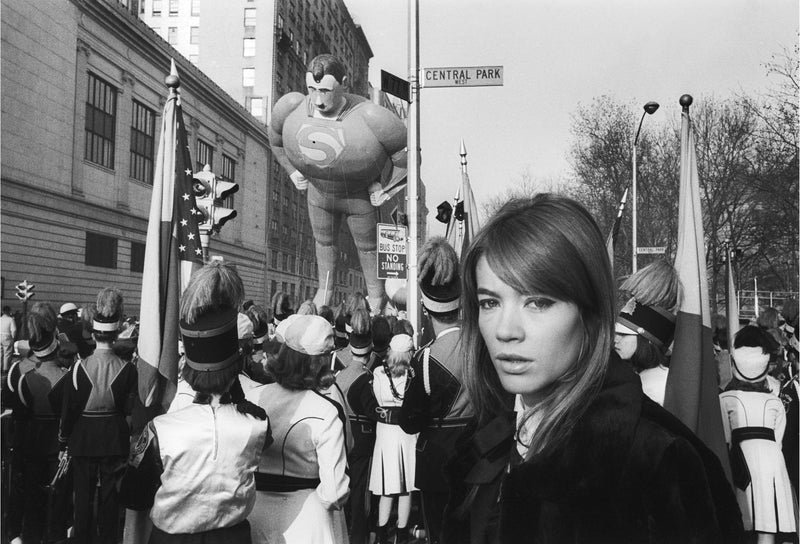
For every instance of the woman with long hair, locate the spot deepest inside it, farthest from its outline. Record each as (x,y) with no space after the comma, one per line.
(587,458)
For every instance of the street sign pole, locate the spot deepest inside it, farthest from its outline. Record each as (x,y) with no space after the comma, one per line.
(412,306)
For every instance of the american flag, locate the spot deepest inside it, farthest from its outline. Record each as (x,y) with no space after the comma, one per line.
(172,253)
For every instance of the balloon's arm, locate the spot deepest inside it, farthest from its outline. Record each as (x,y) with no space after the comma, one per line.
(387,128)
(283,107)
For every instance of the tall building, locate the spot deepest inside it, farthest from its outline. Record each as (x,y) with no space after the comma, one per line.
(258,50)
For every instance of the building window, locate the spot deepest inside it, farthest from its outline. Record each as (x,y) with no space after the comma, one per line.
(195,8)
(194,33)
(172,35)
(285,262)
(257,106)
(100,251)
(274,259)
(137,257)
(291,263)
(173,8)
(248,77)
(249,17)
(228,174)
(156,8)
(143,130)
(249,47)
(101,119)
(205,155)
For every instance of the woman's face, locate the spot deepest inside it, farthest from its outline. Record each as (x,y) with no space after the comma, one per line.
(532,339)
(625,345)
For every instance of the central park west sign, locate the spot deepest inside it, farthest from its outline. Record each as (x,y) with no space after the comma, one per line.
(465,76)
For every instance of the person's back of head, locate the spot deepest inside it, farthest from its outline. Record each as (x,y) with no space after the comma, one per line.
(209,319)
(307,308)
(768,318)
(42,323)
(6,310)
(109,312)
(439,280)
(361,336)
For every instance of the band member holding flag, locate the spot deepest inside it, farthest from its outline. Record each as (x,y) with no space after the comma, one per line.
(195,466)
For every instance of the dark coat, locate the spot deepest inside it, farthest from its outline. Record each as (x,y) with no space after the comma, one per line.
(630,472)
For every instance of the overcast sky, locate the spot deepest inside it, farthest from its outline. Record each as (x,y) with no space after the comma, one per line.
(556,55)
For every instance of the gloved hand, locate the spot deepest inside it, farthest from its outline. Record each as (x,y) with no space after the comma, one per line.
(376,194)
(248,408)
(62,454)
(299,180)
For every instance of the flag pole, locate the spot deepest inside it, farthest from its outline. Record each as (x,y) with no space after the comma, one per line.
(412,306)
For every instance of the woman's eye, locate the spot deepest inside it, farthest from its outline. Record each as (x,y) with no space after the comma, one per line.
(539,303)
(487,303)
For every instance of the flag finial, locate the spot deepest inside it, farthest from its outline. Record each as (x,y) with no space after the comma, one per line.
(173,81)
(686,101)
(463,153)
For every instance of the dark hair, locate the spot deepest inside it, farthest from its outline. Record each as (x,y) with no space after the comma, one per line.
(211,383)
(648,355)
(754,337)
(300,371)
(281,306)
(326,312)
(6,309)
(326,64)
(403,326)
(551,245)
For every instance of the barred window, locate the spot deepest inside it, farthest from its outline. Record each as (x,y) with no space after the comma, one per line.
(194,34)
(228,174)
(143,130)
(156,8)
(101,119)
(172,35)
(100,251)
(195,8)
(173,7)
(205,155)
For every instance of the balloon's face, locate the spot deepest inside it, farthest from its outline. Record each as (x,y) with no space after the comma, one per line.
(326,94)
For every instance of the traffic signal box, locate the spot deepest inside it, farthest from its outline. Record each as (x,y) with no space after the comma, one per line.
(25,290)
(210,193)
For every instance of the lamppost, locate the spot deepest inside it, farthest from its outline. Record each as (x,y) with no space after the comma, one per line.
(649,108)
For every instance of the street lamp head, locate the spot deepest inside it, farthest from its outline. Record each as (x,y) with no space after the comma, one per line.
(651,107)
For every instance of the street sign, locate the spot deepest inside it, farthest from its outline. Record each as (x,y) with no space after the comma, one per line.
(394,85)
(651,250)
(392,250)
(462,76)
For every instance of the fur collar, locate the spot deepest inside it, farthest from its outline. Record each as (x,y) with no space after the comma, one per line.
(599,446)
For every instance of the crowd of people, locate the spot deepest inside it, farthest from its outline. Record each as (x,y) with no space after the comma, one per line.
(532,412)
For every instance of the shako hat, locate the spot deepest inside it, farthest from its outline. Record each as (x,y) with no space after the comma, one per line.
(360,344)
(439,281)
(652,322)
(381,334)
(108,316)
(212,342)
(44,345)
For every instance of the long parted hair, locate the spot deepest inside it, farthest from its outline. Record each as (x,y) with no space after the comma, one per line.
(548,245)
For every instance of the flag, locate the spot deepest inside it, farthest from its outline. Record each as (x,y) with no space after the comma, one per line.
(611,241)
(172,252)
(464,219)
(692,393)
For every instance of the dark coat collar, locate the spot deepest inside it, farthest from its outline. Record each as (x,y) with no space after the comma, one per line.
(599,444)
